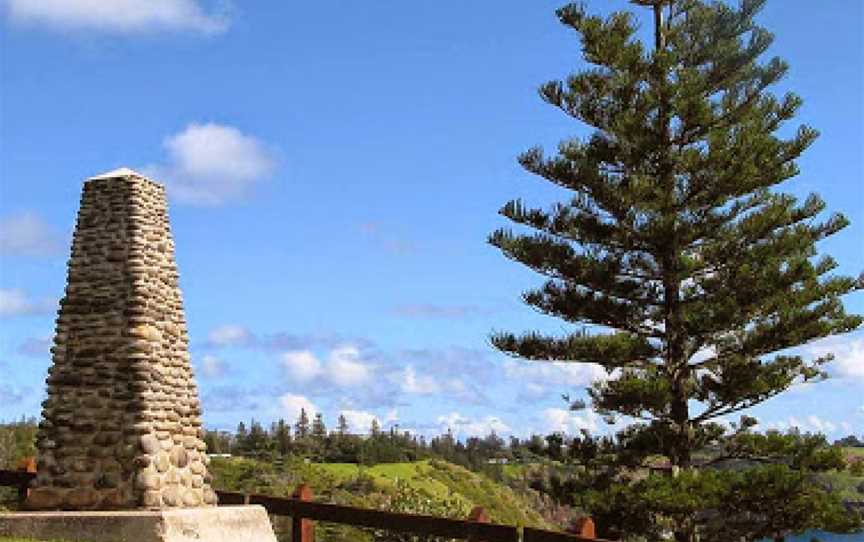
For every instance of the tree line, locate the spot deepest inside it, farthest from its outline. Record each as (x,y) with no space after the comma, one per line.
(311,439)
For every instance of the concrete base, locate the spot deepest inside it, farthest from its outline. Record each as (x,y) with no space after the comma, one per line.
(213,524)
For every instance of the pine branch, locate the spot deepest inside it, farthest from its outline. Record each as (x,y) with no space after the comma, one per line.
(609,350)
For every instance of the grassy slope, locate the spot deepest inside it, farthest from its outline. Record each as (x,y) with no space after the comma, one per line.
(843,483)
(373,487)
(852,452)
(344,483)
(444,480)
(386,474)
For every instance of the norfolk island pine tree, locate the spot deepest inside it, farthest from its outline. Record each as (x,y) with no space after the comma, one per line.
(678,241)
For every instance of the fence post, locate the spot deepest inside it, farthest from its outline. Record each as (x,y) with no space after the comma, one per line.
(302,530)
(584,527)
(478,515)
(28,464)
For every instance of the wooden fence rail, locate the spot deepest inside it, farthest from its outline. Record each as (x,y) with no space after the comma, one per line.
(17,479)
(304,512)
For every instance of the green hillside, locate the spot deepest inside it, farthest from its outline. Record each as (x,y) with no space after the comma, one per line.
(442,480)
(425,487)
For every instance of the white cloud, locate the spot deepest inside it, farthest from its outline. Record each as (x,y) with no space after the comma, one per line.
(848,356)
(823,426)
(229,335)
(359,421)
(292,404)
(420,385)
(553,373)
(391,416)
(462,426)
(559,420)
(810,423)
(301,365)
(212,164)
(409,381)
(117,16)
(343,367)
(16,303)
(212,367)
(25,234)
(458,389)
(533,390)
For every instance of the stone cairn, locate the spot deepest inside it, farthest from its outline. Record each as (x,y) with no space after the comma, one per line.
(121,428)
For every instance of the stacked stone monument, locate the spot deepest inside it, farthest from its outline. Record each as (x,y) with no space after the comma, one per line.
(121,427)
(121,450)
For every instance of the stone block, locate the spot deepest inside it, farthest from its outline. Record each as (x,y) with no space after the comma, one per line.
(210,524)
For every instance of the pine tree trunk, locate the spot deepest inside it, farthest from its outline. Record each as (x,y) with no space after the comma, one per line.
(676,363)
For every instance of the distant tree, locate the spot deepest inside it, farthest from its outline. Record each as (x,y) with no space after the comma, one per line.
(676,240)
(555,446)
(381,450)
(319,430)
(492,446)
(241,439)
(342,425)
(301,428)
(851,441)
(282,437)
(444,446)
(211,440)
(536,445)
(258,442)
(375,428)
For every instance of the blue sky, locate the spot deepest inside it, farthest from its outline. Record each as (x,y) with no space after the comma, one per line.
(334,169)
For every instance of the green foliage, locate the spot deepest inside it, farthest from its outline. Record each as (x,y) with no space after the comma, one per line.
(301,428)
(17,441)
(407,499)
(743,486)
(377,450)
(676,240)
(806,452)
(773,501)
